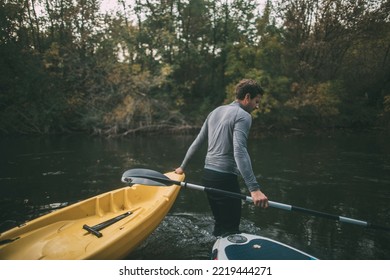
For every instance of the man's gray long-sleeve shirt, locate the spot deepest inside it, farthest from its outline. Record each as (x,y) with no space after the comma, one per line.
(226,129)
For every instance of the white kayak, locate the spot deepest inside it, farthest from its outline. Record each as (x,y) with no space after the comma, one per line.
(245,246)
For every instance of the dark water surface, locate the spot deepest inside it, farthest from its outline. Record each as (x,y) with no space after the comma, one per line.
(346,175)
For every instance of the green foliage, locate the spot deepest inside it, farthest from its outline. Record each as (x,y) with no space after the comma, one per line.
(65,66)
(316,105)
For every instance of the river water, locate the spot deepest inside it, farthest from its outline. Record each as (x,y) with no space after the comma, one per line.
(343,174)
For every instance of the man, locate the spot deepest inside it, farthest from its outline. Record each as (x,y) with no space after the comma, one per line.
(226,129)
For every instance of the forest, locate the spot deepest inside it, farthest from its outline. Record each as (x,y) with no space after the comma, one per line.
(162,65)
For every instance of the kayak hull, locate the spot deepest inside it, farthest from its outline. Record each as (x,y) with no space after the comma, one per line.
(253,247)
(62,234)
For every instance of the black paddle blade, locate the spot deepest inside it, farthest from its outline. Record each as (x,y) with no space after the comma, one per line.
(145,177)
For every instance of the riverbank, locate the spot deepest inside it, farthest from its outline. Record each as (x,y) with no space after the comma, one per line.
(183,130)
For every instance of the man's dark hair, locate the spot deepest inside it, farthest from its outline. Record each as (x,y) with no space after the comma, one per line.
(248,86)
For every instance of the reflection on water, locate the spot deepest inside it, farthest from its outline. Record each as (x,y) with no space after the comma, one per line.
(344,175)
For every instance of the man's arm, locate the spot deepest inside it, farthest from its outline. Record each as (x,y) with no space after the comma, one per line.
(243,161)
(195,146)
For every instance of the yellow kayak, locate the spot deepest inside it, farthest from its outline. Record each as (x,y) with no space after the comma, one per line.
(107,226)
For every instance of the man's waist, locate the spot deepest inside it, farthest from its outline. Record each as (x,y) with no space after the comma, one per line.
(223,168)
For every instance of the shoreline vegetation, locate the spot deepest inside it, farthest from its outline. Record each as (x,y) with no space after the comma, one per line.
(191,131)
(159,67)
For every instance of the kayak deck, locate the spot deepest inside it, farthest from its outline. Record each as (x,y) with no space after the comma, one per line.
(253,247)
(60,234)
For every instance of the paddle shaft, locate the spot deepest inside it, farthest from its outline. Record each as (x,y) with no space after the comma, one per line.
(286,207)
(273,204)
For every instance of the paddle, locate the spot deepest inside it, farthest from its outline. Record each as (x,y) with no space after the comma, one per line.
(154,178)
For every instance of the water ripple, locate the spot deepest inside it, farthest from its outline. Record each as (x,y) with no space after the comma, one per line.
(183,236)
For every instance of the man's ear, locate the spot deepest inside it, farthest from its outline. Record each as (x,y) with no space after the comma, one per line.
(247,98)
